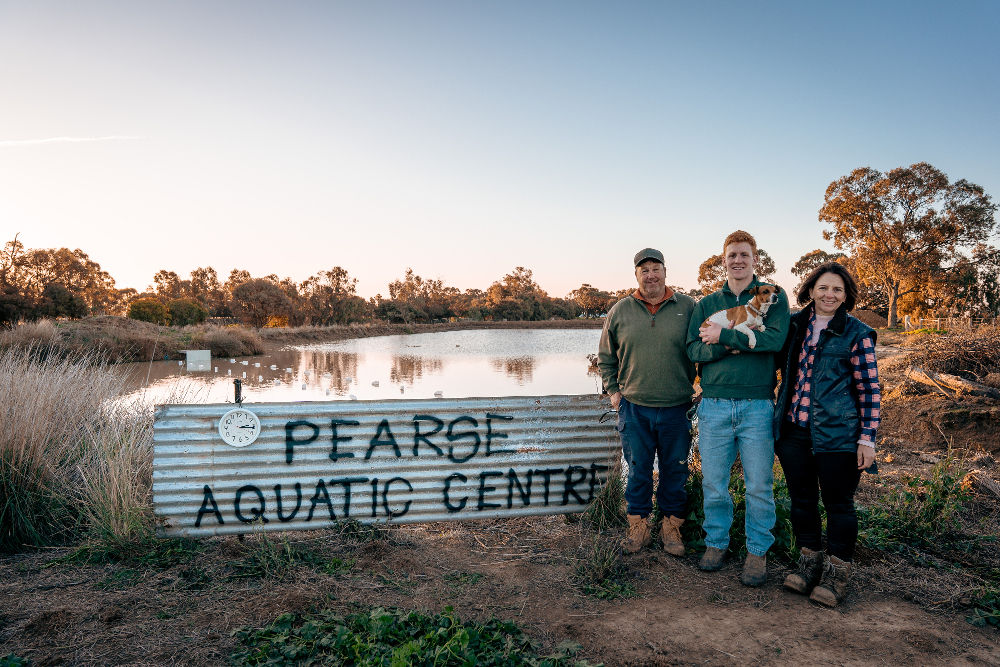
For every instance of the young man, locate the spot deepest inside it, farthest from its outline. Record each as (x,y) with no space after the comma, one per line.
(734,415)
(645,368)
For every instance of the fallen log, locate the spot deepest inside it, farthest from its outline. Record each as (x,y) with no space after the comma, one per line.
(981,481)
(950,385)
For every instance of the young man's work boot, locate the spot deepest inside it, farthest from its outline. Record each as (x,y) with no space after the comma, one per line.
(670,535)
(712,559)
(754,571)
(832,587)
(805,578)
(638,534)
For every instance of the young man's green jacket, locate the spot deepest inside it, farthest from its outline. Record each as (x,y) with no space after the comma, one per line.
(729,368)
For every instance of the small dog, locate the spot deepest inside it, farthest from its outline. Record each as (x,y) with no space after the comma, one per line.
(750,316)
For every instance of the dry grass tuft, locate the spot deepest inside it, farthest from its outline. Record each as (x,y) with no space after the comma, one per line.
(73,459)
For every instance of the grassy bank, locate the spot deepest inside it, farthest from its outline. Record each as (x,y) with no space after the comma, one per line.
(120,339)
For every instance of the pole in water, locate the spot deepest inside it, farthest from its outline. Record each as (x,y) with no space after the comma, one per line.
(238,385)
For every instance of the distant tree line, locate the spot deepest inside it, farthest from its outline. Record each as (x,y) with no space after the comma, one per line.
(917,242)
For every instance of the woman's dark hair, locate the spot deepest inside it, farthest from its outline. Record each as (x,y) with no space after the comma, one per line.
(850,286)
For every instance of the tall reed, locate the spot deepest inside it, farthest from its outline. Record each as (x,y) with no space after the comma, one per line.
(65,443)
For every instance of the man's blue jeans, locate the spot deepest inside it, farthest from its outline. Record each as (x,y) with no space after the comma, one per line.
(663,433)
(727,427)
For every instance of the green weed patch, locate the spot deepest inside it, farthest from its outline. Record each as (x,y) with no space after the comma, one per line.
(924,511)
(393,637)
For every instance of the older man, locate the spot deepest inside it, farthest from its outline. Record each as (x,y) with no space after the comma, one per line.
(646,370)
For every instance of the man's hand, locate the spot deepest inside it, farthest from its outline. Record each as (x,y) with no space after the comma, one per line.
(710,333)
(866,456)
(616,399)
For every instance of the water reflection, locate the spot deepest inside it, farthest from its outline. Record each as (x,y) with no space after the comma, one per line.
(452,364)
(408,369)
(517,368)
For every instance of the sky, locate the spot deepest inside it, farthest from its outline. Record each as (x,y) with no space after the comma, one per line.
(463,139)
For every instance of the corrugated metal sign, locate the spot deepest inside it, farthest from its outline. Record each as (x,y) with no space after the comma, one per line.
(374,461)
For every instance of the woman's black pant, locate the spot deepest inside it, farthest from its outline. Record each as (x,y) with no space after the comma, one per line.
(835,475)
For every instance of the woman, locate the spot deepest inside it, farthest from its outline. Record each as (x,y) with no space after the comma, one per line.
(825,419)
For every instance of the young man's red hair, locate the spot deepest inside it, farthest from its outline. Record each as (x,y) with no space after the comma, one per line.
(740,236)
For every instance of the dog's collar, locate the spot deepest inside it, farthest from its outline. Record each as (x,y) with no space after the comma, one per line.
(755,311)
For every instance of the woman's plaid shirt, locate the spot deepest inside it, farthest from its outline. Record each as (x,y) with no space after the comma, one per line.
(867,391)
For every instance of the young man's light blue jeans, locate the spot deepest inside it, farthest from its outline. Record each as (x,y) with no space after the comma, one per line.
(727,427)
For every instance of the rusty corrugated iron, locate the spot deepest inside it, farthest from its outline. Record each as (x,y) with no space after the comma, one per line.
(376,461)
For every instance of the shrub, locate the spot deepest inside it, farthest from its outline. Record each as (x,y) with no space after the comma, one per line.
(148,309)
(185,311)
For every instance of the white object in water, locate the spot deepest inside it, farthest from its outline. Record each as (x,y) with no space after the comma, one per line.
(374,383)
(438,394)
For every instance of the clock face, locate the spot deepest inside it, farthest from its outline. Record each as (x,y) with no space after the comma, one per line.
(239,427)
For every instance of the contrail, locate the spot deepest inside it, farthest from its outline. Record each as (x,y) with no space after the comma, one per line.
(61,140)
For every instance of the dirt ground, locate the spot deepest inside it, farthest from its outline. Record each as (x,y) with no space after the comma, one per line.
(58,613)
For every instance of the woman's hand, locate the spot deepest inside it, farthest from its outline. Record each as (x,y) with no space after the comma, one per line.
(866,456)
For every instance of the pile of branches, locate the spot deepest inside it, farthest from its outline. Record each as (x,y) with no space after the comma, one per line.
(971,354)
(961,362)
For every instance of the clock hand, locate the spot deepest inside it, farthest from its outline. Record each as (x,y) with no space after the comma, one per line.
(246,426)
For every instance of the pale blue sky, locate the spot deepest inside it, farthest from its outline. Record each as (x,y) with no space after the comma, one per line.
(466,138)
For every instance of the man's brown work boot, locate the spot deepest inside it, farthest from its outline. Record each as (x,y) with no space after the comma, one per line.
(804,579)
(712,559)
(754,571)
(638,534)
(670,535)
(832,587)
